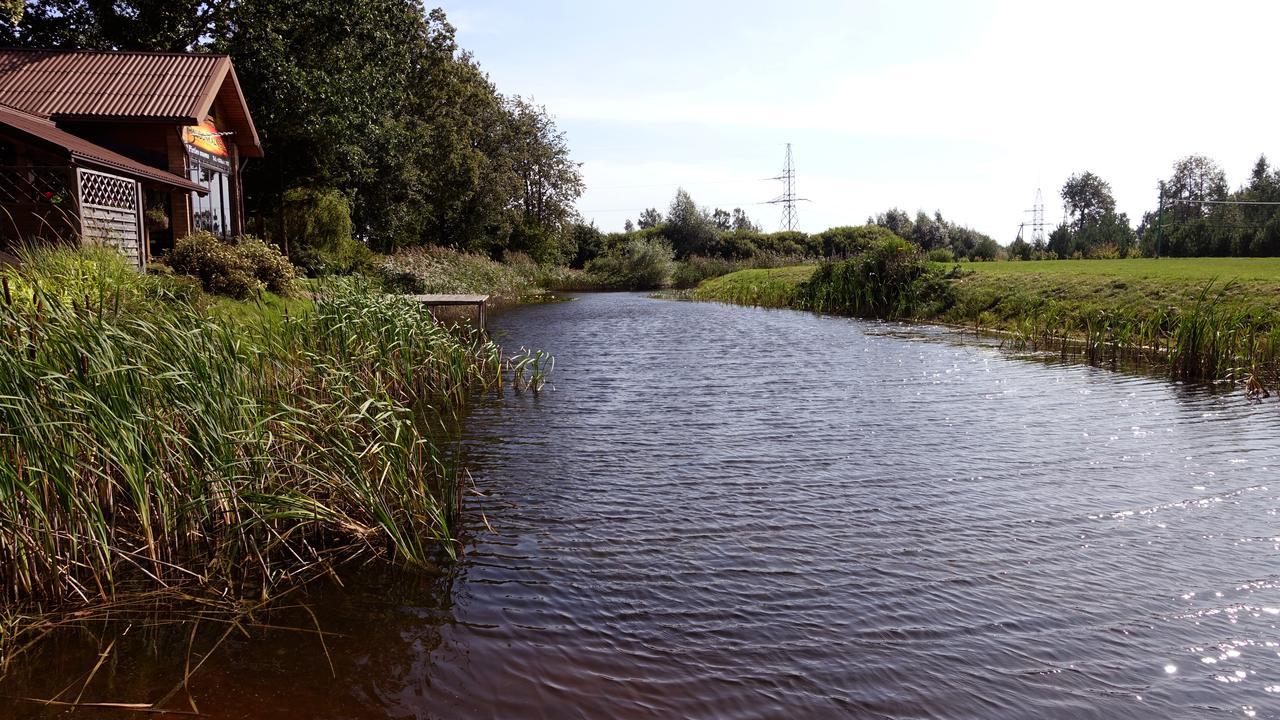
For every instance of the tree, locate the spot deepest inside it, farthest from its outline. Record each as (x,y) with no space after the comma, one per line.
(1061,243)
(374,100)
(1193,227)
(1088,198)
(1020,249)
(928,233)
(742,223)
(689,229)
(898,221)
(649,218)
(586,241)
(173,26)
(549,181)
(628,226)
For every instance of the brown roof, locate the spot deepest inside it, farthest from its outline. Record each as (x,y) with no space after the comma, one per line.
(102,85)
(88,153)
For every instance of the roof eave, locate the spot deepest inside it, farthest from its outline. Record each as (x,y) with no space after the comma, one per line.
(217,79)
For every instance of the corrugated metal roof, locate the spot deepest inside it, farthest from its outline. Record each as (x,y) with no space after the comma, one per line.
(79,83)
(89,153)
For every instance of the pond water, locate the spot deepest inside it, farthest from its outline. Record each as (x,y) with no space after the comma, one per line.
(729,512)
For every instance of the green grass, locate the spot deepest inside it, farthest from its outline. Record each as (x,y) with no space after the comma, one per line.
(997,294)
(1182,269)
(770,287)
(442,270)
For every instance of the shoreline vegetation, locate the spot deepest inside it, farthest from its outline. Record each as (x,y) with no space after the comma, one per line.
(154,438)
(1196,319)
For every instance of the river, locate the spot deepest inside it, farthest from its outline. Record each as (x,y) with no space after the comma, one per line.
(725,512)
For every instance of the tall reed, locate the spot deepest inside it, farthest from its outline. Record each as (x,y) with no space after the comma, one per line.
(144,442)
(1207,339)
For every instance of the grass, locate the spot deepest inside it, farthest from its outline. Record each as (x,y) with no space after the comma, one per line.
(996,294)
(769,287)
(1180,269)
(428,270)
(1198,318)
(149,442)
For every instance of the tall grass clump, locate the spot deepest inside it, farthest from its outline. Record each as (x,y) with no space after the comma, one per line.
(144,443)
(891,278)
(441,270)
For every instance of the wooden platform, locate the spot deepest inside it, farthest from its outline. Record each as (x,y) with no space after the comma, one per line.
(478,301)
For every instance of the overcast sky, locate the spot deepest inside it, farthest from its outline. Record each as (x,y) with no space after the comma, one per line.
(963,107)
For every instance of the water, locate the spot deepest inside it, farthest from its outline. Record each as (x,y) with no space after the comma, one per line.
(737,513)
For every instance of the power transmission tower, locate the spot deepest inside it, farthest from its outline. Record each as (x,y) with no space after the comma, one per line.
(1037,220)
(788,199)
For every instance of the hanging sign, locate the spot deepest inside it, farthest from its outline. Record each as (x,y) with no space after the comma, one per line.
(206,139)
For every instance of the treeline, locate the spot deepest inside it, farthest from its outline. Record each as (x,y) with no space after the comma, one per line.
(371,106)
(1197,215)
(692,233)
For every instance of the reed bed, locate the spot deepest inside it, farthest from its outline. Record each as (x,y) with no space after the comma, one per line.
(147,444)
(1207,339)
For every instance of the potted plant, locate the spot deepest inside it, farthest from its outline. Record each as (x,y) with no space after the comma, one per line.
(157,218)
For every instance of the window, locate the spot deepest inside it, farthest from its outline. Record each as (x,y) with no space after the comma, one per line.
(212,212)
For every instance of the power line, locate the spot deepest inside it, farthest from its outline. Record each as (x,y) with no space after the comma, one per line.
(1221,202)
(678,184)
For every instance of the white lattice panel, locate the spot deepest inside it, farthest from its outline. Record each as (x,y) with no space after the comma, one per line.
(109,212)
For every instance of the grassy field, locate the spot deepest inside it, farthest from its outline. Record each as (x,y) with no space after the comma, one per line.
(997,293)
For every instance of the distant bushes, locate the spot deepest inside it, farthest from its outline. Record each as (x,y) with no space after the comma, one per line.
(639,264)
(442,270)
(237,267)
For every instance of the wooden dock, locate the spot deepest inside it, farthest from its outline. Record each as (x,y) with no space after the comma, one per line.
(479,301)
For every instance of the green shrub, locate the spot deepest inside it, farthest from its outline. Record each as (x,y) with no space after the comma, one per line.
(430,269)
(891,278)
(216,264)
(316,225)
(848,241)
(694,269)
(237,267)
(269,266)
(941,255)
(637,265)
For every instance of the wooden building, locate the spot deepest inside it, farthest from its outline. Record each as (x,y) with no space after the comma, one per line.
(128,149)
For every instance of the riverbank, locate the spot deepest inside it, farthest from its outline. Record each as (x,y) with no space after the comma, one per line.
(1203,318)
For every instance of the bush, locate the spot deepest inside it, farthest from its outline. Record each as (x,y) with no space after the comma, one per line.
(216,264)
(891,278)
(270,267)
(697,268)
(637,265)
(848,241)
(236,268)
(941,255)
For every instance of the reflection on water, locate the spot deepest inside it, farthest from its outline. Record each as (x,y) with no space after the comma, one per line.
(739,513)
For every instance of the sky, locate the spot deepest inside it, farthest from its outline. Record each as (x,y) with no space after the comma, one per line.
(961,107)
